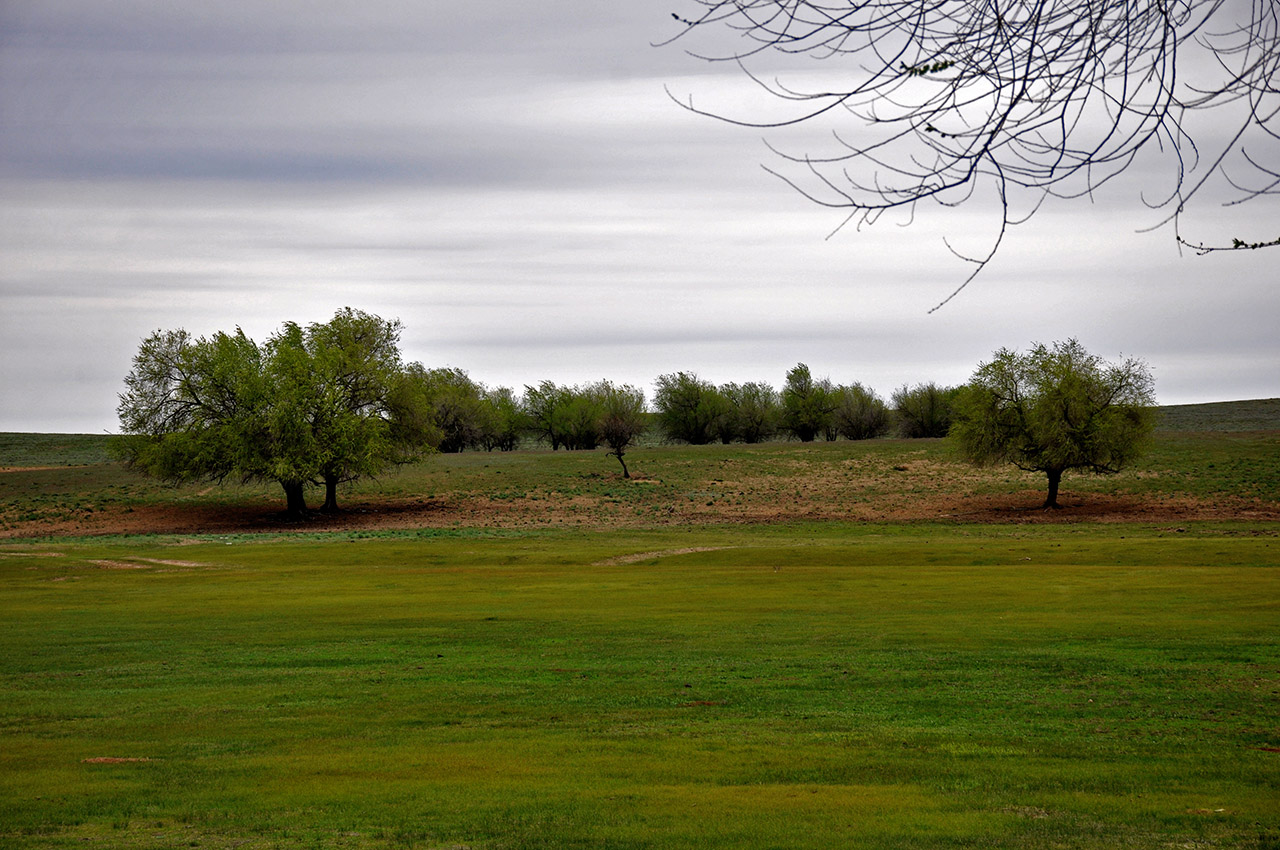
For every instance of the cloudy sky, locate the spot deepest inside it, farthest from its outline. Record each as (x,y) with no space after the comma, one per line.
(513,182)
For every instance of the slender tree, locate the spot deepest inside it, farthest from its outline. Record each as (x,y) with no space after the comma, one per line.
(1055,409)
(623,419)
(564,417)
(502,419)
(456,405)
(755,411)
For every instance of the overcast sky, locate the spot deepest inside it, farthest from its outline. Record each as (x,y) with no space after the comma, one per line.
(512,181)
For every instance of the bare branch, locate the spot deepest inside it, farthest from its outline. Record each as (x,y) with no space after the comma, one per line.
(1051,98)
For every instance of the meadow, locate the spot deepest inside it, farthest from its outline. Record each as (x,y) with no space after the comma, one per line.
(536,654)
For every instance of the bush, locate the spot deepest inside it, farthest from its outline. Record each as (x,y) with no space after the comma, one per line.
(690,410)
(860,413)
(924,410)
(755,410)
(807,405)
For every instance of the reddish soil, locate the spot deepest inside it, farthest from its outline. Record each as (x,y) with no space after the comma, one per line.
(586,512)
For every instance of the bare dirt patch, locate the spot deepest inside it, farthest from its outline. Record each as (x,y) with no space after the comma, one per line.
(665,553)
(792,502)
(776,484)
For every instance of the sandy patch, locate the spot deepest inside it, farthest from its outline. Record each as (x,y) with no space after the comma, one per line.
(664,553)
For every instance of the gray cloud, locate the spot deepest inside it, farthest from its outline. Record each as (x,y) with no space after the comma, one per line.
(513,183)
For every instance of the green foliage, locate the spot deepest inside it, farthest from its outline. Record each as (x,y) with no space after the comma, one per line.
(1056,409)
(502,419)
(313,405)
(808,687)
(756,409)
(926,69)
(924,410)
(1238,243)
(689,409)
(564,417)
(197,408)
(807,404)
(860,414)
(456,405)
(623,418)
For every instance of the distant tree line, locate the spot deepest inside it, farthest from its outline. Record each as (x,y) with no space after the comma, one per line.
(334,402)
(685,409)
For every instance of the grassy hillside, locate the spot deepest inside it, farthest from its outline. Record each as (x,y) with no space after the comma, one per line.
(1257,415)
(17,450)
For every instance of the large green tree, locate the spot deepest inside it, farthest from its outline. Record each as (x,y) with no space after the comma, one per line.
(317,405)
(1055,409)
(807,404)
(565,417)
(924,410)
(689,409)
(353,363)
(754,411)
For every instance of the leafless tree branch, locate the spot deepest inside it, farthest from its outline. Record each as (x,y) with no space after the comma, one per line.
(1043,98)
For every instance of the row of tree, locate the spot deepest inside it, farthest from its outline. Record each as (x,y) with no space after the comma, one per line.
(691,410)
(319,405)
(685,409)
(332,402)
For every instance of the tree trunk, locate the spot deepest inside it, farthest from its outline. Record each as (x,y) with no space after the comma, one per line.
(330,505)
(618,454)
(295,502)
(1055,478)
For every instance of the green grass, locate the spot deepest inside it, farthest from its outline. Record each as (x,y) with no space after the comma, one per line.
(1255,415)
(1200,453)
(663,674)
(52,449)
(788,686)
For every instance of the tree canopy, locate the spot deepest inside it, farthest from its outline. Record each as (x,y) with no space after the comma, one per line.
(623,419)
(1041,98)
(807,404)
(923,410)
(322,404)
(689,409)
(860,414)
(1055,409)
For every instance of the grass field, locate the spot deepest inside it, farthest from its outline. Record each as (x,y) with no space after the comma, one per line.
(694,679)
